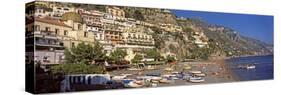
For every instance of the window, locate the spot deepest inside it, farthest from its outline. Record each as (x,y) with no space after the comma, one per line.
(32,28)
(61,57)
(49,41)
(46,59)
(85,34)
(72,44)
(37,28)
(65,33)
(57,31)
(66,9)
(47,29)
(79,27)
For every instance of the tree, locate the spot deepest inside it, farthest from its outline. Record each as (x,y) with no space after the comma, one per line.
(78,59)
(137,58)
(170,58)
(173,48)
(138,15)
(118,55)
(84,53)
(98,49)
(159,40)
(153,53)
(187,29)
(76,69)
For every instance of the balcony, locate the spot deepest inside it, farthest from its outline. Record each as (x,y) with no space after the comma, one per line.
(45,42)
(45,34)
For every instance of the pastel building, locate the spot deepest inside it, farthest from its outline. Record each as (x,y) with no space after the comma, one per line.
(135,40)
(117,13)
(113,33)
(78,33)
(58,11)
(38,10)
(170,27)
(43,42)
(93,21)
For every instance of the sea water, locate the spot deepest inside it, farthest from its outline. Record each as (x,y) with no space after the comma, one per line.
(263,67)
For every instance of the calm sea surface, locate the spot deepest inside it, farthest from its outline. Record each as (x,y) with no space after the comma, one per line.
(263,70)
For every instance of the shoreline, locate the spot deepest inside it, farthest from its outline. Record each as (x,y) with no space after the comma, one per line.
(246,56)
(216,72)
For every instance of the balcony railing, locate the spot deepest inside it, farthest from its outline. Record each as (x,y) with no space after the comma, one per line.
(48,42)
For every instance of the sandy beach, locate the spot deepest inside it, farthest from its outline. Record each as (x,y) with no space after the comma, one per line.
(216,72)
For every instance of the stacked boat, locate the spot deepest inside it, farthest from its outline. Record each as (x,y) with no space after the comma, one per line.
(196,77)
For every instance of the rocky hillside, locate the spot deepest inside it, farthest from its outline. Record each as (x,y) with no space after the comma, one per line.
(153,16)
(222,41)
(235,44)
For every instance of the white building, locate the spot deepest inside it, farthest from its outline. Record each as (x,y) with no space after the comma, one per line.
(58,11)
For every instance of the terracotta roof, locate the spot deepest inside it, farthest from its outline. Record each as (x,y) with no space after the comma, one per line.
(51,21)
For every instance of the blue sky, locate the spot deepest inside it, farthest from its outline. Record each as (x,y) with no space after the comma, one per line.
(255,26)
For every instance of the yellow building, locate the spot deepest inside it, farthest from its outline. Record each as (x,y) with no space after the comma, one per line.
(78,33)
(54,27)
(115,11)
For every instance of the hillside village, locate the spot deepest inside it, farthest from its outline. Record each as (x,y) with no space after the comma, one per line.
(79,47)
(60,26)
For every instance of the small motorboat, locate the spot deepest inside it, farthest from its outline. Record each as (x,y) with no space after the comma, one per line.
(175,72)
(119,77)
(153,85)
(131,83)
(164,80)
(153,74)
(248,66)
(200,75)
(144,77)
(251,67)
(196,79)
(175,78)
(126,74)
(156,78)
(166,75)
(134,85)
(195,72)
(154,81)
